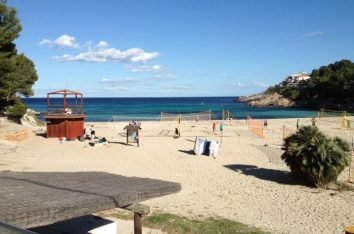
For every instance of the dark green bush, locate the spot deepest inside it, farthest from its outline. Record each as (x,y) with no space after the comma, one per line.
(314,157)
(17,109)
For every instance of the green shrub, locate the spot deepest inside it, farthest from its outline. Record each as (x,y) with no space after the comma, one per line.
(314,157)
(17,109)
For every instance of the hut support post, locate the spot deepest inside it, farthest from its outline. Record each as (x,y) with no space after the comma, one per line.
(48,104)
(127,137)
(139,210)
(137,224)
(64,103)
(76,104)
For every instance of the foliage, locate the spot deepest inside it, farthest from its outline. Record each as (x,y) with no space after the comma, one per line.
(329,85)
(174,224)
(9,25)
(16,109)
(17,72)
(314,157)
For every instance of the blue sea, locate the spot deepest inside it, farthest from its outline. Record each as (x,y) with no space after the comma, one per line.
(123,109)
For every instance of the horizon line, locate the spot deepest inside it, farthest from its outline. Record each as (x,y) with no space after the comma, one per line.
(146,97)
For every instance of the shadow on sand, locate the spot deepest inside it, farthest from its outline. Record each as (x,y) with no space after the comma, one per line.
(278,176)
(190,152)
(119,142)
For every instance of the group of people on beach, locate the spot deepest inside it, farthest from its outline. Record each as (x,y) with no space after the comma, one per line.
(89,134)
(221,127)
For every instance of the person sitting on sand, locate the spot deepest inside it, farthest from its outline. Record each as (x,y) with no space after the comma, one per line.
(177,133)
(93,132)
(86,134)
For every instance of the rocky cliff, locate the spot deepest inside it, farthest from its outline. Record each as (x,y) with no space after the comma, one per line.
(266,99)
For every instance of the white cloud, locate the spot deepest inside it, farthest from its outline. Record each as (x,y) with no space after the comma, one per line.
(101,55)
(259,84)
(145,68)
(44,42)
(165,76)
(239,84)
(252,84)
(312,34)
(121,84)
(101,52)
(118,81)
(102,44)
(182,87)
(117,88)
(64,41)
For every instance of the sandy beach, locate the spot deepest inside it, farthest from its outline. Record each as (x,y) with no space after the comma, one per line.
(246,182)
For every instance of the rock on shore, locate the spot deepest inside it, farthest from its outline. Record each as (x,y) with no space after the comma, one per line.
(266,99)
(30,119)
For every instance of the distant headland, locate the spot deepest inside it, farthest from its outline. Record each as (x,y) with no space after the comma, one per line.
(330,86)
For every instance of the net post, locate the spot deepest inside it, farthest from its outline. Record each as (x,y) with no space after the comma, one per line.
(263,131)
(351,166)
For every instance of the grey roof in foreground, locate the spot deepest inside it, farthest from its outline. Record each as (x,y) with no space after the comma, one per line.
(30,199)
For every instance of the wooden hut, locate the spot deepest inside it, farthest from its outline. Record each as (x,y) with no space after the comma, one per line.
(65,116)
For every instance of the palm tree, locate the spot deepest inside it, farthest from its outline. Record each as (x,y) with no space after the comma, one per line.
(314,157)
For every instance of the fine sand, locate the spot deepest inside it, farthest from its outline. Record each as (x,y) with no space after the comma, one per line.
(246,182)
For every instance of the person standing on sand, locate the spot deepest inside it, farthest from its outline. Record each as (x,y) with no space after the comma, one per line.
(221,128)
(214,127)
(297,124)
(313,121)
(266,124)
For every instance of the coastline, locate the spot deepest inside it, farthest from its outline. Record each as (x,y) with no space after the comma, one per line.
(279,101)
(246,182)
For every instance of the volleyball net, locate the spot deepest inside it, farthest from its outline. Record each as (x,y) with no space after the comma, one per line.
(344,119)
(256,126)
(198,116)
(122,118)
(287,131)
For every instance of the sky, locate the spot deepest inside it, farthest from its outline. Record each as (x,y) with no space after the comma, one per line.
(179,48)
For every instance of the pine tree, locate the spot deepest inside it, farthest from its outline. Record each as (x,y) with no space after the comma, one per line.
(17,72)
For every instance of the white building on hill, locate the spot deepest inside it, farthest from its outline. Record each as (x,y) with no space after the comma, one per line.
(294,79)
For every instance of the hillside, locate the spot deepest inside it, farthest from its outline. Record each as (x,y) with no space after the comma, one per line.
(330,86)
